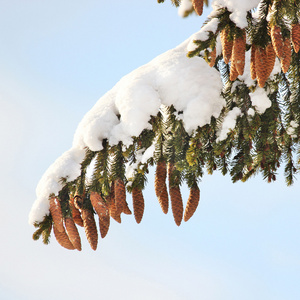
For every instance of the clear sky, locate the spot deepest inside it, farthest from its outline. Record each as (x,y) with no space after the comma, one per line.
(57,58)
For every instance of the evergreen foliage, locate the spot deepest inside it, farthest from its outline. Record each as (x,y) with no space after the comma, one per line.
(258,143)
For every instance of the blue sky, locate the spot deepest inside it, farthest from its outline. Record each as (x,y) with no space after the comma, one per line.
(56,60)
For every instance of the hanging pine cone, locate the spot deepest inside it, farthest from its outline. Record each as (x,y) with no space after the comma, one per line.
(252,62)
(72,233)
(163,200)
(271,56)
(120,196)
(238,53)
(287,55)
(111,204)
(192,203)
(233,72)
(177,204)
(175,195)
(126,209)
(261,66)
(198,6)
(226,45)
(90,228)
(56,213)
(76,215)
(62,238)
(160,185)
(277,40)
(78,201)
(102,211)
(138,204)
(296,37)
(104,223)
(213,55)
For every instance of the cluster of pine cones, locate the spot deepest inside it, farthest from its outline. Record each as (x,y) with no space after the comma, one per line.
(262,58)
(66,232)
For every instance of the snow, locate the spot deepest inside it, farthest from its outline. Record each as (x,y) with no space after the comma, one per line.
(260,100)
(189,84)
(172,78)
(229,123)
(237,8)
(185,6)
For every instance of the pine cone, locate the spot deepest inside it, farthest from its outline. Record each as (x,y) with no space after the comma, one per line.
(287,55)
(76,215)
(56,213)
(104,223)
(198,6)
(252,62)
(90,228)
(296,37)
(78,201)
(192,203)
(271,56)
(138,204)
(120,196)
(62,238)
(175,195)
(226,45)
(102,210)
(213,55)
(177,205)
(238,53)
(233,72)
(163,200)
(111,204)
(72,233)
(160,185)
(261,66)
(277,40)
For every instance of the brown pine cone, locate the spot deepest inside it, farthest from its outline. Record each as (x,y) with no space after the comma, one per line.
(78,201)
(102,210)
(138,204)
(252,62)
(238,53)
(296,37)
(104,223)
(277,40)
(163,200)
(192,203)
(261,66)
(160,177)
(160,185)
(120,196)
(213,55)
(98,204)
(72,233)
(177,205)
(233,72)
(287,55)
(226,45)
(56,213)
(76,215)
(62,238)
(271,56)
(198,6)
(90,228)
(126,209)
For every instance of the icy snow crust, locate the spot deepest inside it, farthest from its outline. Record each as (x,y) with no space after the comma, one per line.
(172,78)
